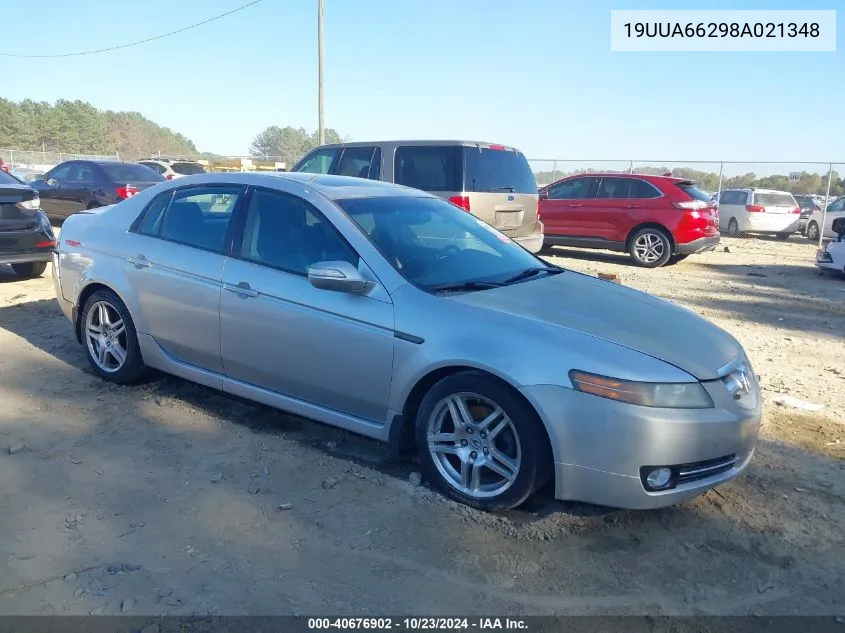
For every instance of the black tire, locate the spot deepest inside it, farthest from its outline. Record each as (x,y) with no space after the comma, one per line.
(676,259)
(133,369)
(535,466)
(658,239)
(733,227)
(30,269)
(546,249)
(813,232)
(92,205)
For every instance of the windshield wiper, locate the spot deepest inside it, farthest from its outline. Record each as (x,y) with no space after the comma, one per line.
(509,188)
(531,272)
(466,285)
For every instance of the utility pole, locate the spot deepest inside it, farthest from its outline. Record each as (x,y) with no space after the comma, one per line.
(321,129)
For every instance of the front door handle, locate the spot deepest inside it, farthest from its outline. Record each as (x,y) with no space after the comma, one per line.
(243,289)
(631,206)
(574,206)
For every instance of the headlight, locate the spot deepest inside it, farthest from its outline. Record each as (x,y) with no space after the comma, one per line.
(686,395)
(30,205)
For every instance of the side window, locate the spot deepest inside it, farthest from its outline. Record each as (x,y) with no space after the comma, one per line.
(837,205)
(287,233)
(429,167)
(572,189)
(60,173)
(319,161)
(355,161)
(151,224)
(198,216)
(643,189)
(155,167)
(614,188)
(82,173)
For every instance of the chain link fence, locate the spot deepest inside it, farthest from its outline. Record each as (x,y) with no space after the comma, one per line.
(28,164)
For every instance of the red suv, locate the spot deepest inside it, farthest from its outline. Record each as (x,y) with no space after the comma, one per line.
(656,219)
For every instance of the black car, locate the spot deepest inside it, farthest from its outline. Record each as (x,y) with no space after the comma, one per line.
(26,237)
(808,206)
(77,185)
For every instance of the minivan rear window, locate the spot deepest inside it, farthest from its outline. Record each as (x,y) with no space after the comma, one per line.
(495,170)
(697,194)
(428,167)
(187,169)
(774,200)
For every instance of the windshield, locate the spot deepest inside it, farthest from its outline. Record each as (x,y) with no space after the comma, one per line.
(187,169)
(130,172)
(433,243)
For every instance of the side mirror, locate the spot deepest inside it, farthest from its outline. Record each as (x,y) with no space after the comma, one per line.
(52,182)
(337,276)
(544,194)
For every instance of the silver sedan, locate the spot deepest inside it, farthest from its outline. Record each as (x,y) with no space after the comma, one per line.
(391,313)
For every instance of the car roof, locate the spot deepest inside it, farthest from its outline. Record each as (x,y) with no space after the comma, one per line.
(617,174)
(331,187)
(418,142)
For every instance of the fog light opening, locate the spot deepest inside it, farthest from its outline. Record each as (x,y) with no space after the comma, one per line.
(659,478)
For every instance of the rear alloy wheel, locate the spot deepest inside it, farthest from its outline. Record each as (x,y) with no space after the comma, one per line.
(733,227)
(650,248)
(480,442)
(111,343)
(813,232)
(30,269)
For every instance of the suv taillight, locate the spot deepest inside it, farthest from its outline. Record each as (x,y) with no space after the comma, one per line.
(692,205)
(754,208)
(126,191)
(796,211)
(169,176)
(460,201)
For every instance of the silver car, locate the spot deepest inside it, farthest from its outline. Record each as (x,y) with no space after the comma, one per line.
(392,313)
(493,182)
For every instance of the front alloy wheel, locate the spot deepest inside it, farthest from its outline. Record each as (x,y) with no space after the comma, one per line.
(813,232)
(474,445)
(480,442)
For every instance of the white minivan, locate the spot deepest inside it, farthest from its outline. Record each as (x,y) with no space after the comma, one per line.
(758,211)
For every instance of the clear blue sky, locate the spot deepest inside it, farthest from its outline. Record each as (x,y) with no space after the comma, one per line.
(536,74)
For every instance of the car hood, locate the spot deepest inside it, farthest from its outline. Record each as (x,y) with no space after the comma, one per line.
(617,314)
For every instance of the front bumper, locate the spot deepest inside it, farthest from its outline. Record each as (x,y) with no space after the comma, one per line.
(600,446)
(700,245)
(25,257)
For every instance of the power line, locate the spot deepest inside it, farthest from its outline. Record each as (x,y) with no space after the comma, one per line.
(149,39)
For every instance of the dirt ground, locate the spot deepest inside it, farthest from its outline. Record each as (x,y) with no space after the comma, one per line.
(169,498)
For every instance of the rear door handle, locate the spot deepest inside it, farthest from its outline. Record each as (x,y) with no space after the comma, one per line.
(574,206)
(631,206)
(140,261)
(243,289)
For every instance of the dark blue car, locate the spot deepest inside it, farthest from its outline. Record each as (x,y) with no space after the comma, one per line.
(77,185)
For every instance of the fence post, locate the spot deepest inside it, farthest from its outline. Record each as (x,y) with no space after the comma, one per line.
(826,202)
(554,171)
(11,158)
(721,169)
(631,167)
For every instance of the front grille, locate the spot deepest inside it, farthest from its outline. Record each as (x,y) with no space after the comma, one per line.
(687,473)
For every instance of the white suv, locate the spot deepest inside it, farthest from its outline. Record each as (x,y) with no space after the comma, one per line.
(758,211)
(171,169)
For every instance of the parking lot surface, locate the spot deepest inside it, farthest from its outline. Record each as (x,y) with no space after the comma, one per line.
(172,498)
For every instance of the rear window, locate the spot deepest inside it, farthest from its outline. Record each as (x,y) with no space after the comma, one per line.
(8,179)
(498,171)
(187,169)
(429,167)
(128,173)
(691,190)
(774,200)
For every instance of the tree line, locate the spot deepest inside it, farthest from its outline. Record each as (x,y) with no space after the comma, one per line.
(708,181)
(77,127)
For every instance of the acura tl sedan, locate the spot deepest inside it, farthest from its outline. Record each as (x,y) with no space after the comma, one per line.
(395,314)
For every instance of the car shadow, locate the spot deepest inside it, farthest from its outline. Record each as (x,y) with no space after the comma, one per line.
(604,257)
